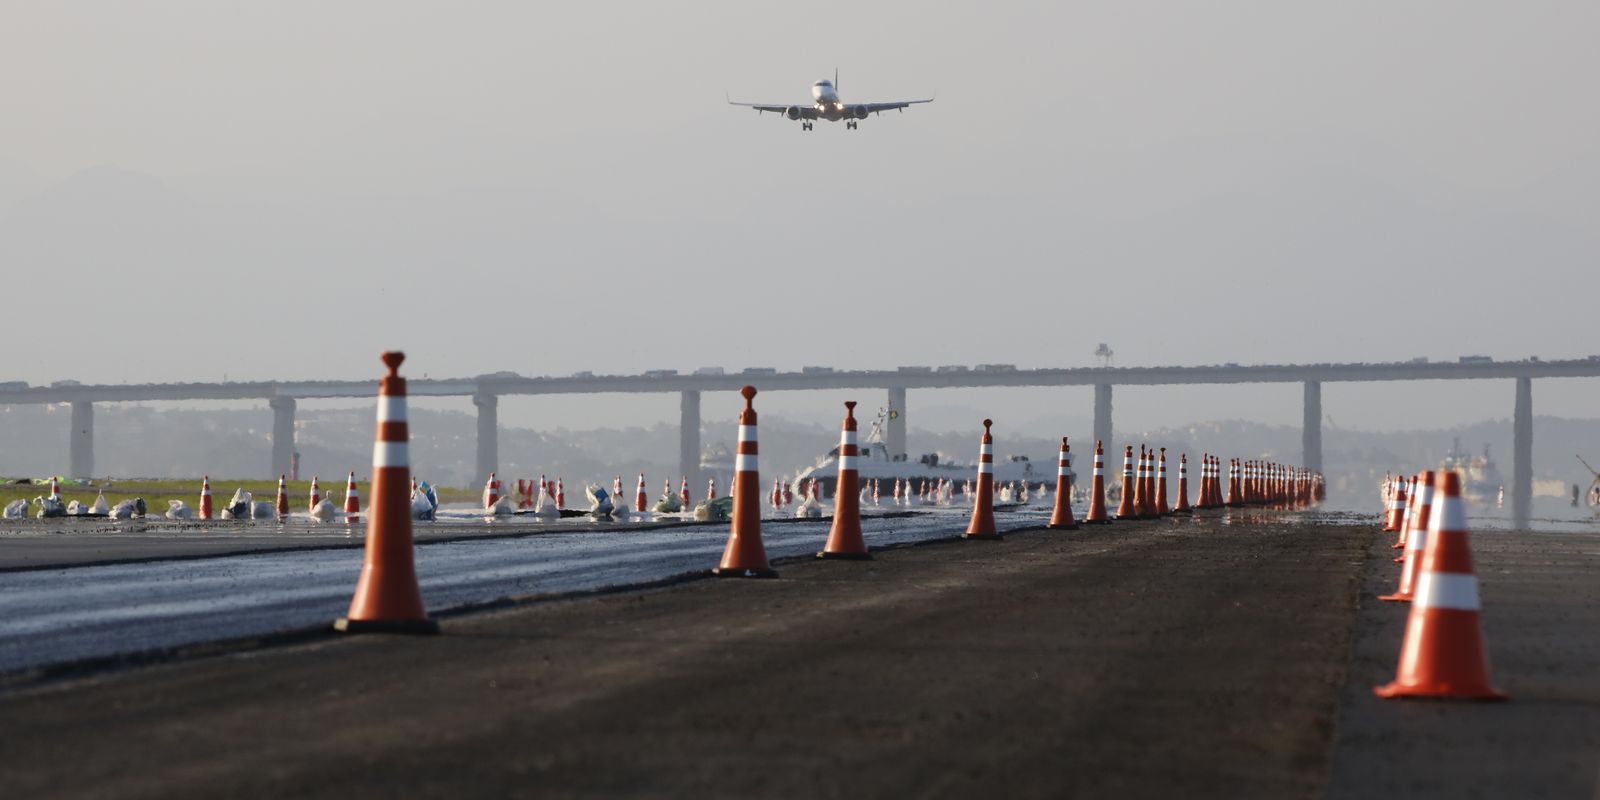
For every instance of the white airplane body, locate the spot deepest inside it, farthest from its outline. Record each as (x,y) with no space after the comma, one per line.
(825,104)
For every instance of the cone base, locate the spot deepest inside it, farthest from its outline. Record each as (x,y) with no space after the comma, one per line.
(992,537)
(1399,559)
(861,556)
(1398,546)
(746,572)
(1395,598)
(1070,526)
(1439,692)
(1182,511)
(1097,522)
(416,627)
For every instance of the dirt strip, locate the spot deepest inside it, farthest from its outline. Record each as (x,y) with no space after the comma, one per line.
(1172,658)
(1541,612)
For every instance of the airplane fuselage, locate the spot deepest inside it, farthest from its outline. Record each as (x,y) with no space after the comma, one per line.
(826,100)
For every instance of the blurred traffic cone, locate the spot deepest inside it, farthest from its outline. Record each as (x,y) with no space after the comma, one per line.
(1397,510)
(1418,513)
(1141,501)
(1443,654)
(897,491)
(777,494)
(1235,486)
(1161,485)
(55,489)
(205,497)
(641,501)
(491,491)
(683,494)
(561,494)
(1125,507)
(982,524)
(352,500)
(1097,489)
(1061,517)
(387,597)
(316,494)
(844,538)
(745,556)
(1183,506)
(711,489)
(1410,485)
(282,505)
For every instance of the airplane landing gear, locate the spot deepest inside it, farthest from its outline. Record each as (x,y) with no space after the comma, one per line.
(850,126)
(805,126)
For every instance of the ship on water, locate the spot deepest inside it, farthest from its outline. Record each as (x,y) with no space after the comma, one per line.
(877,462)
(1480,480)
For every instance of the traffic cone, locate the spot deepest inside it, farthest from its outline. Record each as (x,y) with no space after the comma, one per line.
(491,491)
(683,494)
(711,489)
(982,524)
(1443,654)
(55,490)
(387,597)
(1061,517)
(745,556)
(1418,512)
(844,538)
(875,496)
(641,501)
(1161,486)
(1397,510)
(777,494)
(205,497)
(1183,506)
(352,500)
(283,498)
(561,495)
(1097,489)
(1410,485)
(1125,507)
(316,494)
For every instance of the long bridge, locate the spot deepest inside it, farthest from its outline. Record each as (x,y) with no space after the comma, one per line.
(486,390)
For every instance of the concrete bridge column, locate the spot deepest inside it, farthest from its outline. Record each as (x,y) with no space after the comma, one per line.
(282,434)
(1311,428)
(896,433)
(1522,454)
(488,435)
(689,438)
(81,454)
(1102,415)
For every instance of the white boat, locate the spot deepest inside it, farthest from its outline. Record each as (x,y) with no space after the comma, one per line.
(877,462)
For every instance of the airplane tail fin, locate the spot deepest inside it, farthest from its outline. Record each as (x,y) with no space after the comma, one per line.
(835,80)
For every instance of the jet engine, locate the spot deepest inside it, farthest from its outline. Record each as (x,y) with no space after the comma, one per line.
(792,112)
(860,112)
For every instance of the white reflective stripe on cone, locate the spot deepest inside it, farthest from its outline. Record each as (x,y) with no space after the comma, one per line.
(847,437)
(847,462)
(986,449)
(391,408)
(985,468)
(747,433)
(1447,590)
(390,454)
(745,462)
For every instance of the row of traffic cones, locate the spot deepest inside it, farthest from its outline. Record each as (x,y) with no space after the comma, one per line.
(1443,654)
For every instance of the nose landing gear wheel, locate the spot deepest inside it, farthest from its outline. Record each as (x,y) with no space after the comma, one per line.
(850,126)
(805,126)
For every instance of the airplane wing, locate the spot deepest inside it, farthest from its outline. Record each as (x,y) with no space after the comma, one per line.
(879,108)
(806,111)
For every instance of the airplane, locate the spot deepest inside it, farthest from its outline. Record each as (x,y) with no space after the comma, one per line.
(827,105)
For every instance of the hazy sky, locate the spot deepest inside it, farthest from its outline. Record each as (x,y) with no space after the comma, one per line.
(281,190)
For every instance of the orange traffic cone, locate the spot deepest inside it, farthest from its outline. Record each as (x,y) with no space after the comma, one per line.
(55,489)
(711,489)
(491,491)
(1126,508)
(1183,506)
(1161,485)
(641,501)
(982,524)
(745,556)
(1443,654)
(1418,512)
(1397,510)
(205,497)
(316,494)
(388,598)
(1061,518)
(352,500)
(844,538)
(283,498)
(1097,488)
(561,494)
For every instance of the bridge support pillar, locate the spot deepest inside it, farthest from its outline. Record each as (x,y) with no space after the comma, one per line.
(282,434)
(488,435)
(1311,428)
(896,432)
(81,453)
(1102,416)
(689,438)
(1522,454)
